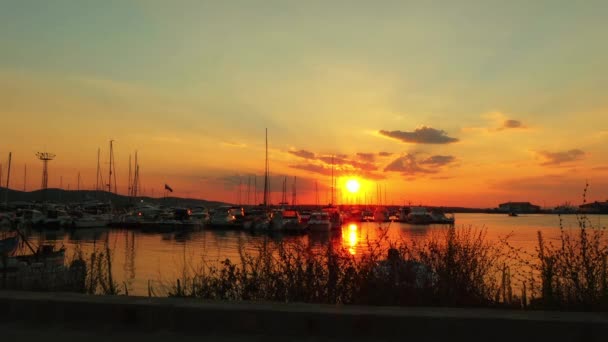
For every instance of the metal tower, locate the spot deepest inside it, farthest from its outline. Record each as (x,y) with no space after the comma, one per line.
(45,157)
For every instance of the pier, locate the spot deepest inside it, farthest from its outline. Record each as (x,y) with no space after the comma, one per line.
(71,315)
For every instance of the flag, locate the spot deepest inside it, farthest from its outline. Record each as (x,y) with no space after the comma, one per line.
(168,188)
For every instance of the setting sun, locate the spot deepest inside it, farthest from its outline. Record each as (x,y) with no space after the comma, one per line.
(352,185)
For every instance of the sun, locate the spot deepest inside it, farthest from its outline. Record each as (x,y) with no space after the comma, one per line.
(352,185)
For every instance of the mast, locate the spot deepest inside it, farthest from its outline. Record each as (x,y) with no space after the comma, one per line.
(78,188)
(248,189)
(8,177)
(98,171)
(135,183)
(331,201)
(317,193)
(129,185)
(112,171)
(24,177)
(293,193)
(284,196)
(255,189)
(266,185)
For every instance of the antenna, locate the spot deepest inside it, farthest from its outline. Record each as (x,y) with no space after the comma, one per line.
(45,157)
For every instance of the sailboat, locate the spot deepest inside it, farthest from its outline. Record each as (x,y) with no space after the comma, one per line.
(259,218)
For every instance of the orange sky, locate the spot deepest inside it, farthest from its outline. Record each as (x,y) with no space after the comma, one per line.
(449,105)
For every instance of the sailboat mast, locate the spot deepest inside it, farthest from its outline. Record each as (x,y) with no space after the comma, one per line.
(97,175)
(24,177)
(293,194)
(8,177)
(110,170)
(129,184)
(266,192)
(332,180)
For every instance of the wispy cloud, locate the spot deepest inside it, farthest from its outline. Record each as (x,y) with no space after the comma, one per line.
(407,165)
(438,160)
(234,144)
(385,154)
(303,154)
(423,135)
(368,157)
(558,158)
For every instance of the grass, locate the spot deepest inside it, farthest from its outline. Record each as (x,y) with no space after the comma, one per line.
(457,268)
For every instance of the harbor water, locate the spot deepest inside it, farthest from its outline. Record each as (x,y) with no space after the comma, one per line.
(140,259)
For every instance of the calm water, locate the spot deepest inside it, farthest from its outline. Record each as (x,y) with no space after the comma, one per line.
(160,257)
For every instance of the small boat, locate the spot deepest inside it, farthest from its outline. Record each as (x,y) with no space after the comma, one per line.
(419,215)
(513,214)
(287,221)
(319,222)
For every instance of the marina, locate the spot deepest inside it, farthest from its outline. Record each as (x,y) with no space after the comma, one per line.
(143,256)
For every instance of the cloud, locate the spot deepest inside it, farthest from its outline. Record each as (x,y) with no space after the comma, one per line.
(342,162)
(233,144)
(558,158)
(313,168)
(512,124)
(368,157)
(423,135)
(438,160)
(385,154)
(407,165)
(303,154)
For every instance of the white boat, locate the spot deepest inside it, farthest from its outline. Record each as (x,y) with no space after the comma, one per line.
(419,215)
(92,221)
(287,220)
(381,214)
(224,217)
(319,222)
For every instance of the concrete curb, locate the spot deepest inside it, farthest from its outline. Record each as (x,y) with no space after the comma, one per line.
(190,316)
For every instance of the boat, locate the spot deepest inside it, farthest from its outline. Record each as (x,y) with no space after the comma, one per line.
(224,217)
(287,221)
(419,215)
(439,217)
(402,214)
(513,214)
(91,221)
(381,214)
(319,222)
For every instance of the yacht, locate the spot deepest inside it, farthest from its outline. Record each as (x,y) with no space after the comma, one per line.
(319,222)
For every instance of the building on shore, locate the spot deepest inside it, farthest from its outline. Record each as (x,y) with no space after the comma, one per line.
(594,208)
(518,207)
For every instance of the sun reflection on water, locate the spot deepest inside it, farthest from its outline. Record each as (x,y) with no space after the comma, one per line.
(350,238)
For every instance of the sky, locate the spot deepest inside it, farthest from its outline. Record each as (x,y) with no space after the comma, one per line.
(455,103)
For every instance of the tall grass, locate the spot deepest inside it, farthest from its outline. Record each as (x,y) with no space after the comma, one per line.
(455,268)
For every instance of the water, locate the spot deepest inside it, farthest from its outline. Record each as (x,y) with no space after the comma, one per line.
(161,257)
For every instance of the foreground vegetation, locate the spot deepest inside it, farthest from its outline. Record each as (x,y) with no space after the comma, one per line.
(457,267)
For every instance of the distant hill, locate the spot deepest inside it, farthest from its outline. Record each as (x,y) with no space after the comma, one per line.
(75,196)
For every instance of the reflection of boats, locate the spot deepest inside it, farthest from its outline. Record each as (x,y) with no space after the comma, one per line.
(319,222)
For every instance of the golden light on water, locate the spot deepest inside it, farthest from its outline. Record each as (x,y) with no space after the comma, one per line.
(351,238)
